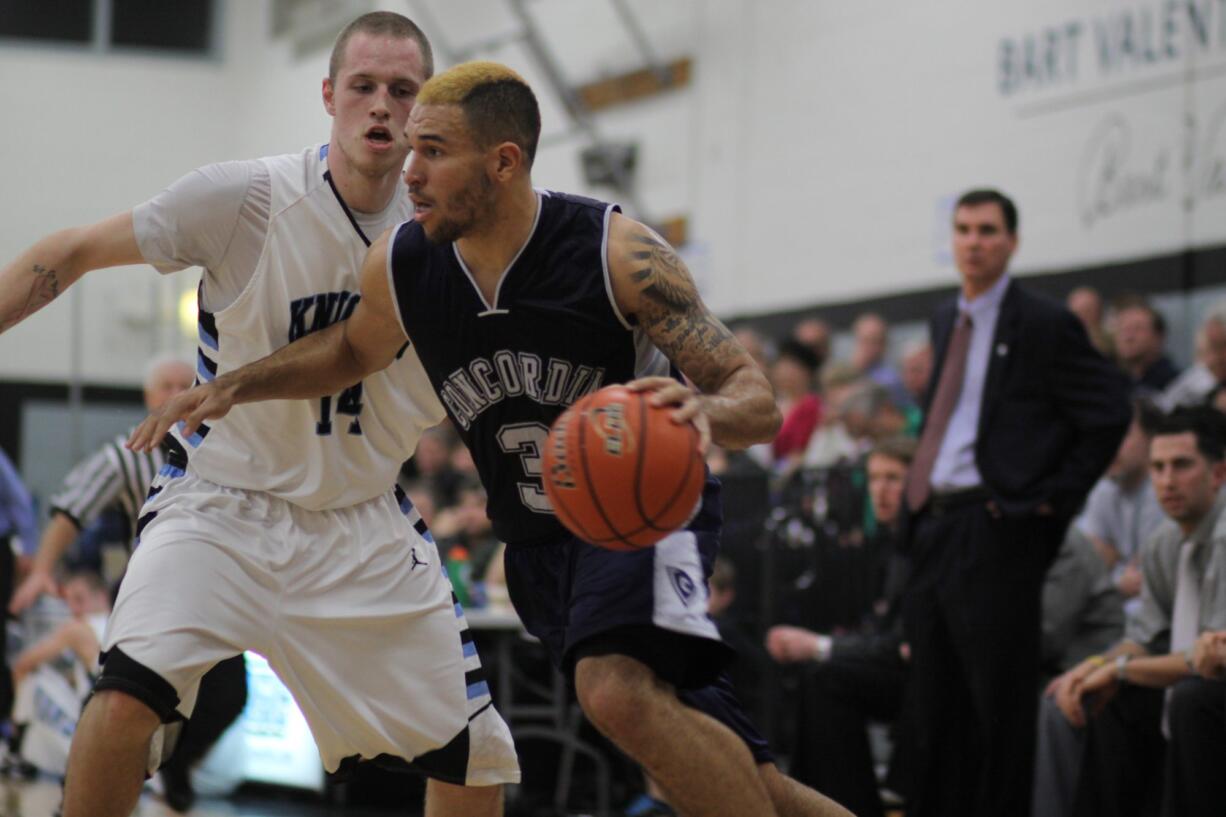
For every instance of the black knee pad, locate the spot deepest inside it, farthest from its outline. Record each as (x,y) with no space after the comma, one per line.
(122,673)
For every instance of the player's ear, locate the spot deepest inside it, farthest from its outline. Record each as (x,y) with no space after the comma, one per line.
(329,103)
(508,158)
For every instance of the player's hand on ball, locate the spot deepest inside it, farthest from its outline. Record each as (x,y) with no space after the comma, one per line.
(668,392)
(207,401)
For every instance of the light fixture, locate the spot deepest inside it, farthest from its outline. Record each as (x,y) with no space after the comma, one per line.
(187,312)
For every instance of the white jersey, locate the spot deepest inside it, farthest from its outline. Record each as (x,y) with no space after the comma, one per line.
(325,453)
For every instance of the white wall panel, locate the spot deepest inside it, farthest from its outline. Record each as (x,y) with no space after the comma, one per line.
(816,151)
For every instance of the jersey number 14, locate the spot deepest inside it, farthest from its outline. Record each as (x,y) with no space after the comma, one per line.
(348,403)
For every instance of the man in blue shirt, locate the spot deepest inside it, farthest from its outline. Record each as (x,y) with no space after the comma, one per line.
(16,522)
(16,507)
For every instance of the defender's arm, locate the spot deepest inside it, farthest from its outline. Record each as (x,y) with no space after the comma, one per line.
(323,362)
(38,276)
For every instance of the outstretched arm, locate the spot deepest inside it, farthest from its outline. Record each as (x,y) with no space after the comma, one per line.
(38,276)
(73,635)
(59,534)
(321,363)
(652,286)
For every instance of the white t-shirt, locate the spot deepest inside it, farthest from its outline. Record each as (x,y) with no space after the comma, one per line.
(281,255)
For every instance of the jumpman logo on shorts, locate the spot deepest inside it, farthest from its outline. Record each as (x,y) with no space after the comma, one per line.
(413,565)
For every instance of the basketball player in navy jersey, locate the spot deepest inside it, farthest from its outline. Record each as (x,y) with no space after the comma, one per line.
(518,302)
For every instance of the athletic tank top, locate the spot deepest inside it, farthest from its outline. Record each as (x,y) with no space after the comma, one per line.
(506,370)
(329,452)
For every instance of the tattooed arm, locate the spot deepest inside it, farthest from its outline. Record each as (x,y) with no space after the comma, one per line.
(654,290)
(41,273)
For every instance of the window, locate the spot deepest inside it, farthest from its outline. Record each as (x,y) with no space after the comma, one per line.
(70,21)
(181,26)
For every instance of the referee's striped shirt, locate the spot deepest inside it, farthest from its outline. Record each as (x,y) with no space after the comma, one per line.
(111,475)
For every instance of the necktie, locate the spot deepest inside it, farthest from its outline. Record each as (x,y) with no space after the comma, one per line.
(919,478)
(1186,612)
(1187,602)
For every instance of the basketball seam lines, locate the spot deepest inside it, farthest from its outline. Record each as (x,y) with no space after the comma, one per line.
(560,504)
(591,490)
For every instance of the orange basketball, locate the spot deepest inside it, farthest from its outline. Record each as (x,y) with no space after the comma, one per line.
(619,472)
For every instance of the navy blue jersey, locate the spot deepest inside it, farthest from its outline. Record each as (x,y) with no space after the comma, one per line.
(505,370)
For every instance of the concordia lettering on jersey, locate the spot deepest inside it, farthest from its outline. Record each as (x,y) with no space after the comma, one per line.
(505,370)
(487,381)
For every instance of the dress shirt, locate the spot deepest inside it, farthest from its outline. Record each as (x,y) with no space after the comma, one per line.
(1189,389)
(1083,613)
(886,376)
(1151,625)
(955,464)
(1125,519)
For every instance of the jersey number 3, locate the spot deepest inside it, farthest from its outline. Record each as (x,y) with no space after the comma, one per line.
(349,403)
(528,441)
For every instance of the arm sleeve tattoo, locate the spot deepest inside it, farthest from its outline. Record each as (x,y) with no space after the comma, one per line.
(674,317)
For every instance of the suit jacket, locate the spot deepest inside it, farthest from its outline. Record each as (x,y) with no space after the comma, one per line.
(1054,410)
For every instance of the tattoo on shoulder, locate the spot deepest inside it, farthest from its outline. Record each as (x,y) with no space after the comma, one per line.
(44,288)
(674,316)
(665,277)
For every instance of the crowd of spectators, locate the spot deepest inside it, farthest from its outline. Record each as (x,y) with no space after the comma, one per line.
(837,467)
(854,413)
(847,416)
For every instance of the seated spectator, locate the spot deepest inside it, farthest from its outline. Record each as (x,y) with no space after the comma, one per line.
(1140,338)
(1217,399)
(871,343)
(833,443)
(1116,697)
(47,705)
(1197,726)
(1087,305)
(814,333)
(1122,510)
(793,375)
(861,414)
(854,678)
(915,369)
(1194,386)
(461,462)
(431,467)
(753,344)
(1083,610)
(882,416)
(421,497)
(751,658)
(862,677)
(467,525)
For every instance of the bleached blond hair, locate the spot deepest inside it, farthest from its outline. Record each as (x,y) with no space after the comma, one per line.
(497,102)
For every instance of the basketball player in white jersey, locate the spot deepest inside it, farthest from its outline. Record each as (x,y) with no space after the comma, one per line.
(277,530)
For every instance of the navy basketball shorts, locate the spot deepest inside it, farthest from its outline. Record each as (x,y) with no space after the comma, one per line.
(650,604)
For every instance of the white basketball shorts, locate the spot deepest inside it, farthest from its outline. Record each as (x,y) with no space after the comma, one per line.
(351,607)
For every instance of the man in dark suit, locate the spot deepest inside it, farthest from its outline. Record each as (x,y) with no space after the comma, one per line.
(1022,416)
